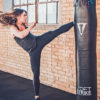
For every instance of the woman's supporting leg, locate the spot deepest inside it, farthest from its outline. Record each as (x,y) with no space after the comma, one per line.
(45,38)
(35,65)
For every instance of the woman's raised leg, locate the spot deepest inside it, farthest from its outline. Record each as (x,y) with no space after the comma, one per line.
(45,38)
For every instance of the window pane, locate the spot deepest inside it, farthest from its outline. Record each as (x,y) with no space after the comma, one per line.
(52,12)
(42,0)
(52,0)
(31,1)
(23,1)
(16,2)
(31,13)
(24,7)
(42,13)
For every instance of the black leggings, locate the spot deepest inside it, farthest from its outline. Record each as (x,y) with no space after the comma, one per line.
(35,54)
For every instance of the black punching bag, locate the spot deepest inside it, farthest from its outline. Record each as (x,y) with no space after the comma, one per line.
(85,37)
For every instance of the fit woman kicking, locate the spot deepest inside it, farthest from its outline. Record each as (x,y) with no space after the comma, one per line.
(32,44)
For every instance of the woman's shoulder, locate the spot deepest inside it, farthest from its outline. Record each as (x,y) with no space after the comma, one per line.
(13,29)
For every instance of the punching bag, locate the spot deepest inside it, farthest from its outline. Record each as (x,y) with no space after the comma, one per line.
(85,39)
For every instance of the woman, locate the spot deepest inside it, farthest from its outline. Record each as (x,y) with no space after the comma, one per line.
(29,42)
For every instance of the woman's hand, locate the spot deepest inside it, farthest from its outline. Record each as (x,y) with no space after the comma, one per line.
(33,24)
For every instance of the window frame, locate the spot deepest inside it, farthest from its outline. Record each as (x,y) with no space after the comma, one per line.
(36,3)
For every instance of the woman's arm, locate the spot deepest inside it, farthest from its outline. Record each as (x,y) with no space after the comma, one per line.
(21,34)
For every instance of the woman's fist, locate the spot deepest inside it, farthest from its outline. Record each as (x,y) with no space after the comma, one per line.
(33,24)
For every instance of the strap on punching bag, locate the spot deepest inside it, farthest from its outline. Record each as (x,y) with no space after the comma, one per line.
(85,37)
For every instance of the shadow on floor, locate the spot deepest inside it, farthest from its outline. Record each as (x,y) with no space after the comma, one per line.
(17,88)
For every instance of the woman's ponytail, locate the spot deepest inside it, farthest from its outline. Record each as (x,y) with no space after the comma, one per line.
(7,18)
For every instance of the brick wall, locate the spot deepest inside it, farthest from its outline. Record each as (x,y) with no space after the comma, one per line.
(1,5)
(57,58)
(98,47)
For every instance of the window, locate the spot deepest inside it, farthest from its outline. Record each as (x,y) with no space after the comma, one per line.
(42,11)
